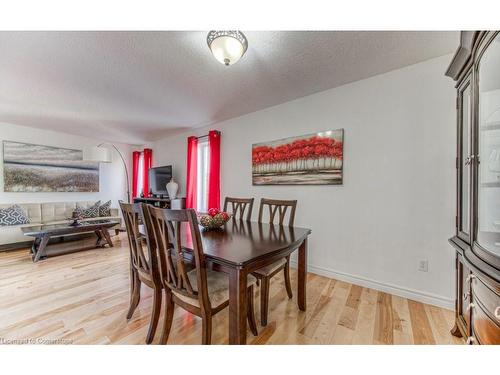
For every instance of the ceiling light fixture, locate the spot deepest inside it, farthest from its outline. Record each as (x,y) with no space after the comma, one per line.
(227,46)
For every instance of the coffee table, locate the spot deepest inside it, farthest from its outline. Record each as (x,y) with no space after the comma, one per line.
(41,248)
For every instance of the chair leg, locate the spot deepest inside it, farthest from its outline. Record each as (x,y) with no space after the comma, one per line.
(155,315)
(206,327)
(288,285)
(135,293)
(168,317)
(264,300)
(250,311)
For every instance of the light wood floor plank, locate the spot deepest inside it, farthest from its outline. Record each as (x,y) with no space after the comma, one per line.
(365,326)
(422,332)
(384,320)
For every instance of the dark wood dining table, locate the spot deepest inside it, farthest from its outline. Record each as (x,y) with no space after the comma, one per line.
(240,248)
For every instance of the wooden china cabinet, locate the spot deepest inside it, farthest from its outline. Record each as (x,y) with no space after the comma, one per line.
(476,69)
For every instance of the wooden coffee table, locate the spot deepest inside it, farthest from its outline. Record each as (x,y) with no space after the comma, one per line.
(42,249)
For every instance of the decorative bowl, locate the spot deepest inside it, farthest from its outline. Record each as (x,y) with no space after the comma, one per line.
(213,219)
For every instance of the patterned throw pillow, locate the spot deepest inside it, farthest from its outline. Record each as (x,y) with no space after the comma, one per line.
(87,213)
(105,209)
(13,215)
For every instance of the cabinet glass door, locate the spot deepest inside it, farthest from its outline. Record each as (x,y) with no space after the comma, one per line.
(488,154)
(464,169)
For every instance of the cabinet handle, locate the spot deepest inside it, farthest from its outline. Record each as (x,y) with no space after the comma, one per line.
(466,295)
(470,340)
(468,160)
(470,277)
(471,306)
(497,312)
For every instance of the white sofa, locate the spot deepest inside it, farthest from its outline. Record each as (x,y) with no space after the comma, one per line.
(45,214)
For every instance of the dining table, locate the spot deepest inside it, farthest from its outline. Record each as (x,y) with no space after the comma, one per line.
(241,247)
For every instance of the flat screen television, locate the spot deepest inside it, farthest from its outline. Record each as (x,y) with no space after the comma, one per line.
(158,179)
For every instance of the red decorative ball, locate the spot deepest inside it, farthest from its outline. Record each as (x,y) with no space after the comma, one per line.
(213,211)
(225,216)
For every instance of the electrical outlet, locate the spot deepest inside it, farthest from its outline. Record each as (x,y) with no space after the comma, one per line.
(423,265)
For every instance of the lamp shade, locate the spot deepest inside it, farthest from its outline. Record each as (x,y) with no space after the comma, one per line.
(97,154)
(227,46)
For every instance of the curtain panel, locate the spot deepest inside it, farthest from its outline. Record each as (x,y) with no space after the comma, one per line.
(135,172)
(214,169)
(192,172)
(147,164)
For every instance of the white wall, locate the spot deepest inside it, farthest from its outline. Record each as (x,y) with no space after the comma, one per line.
(112,183)
(397,202)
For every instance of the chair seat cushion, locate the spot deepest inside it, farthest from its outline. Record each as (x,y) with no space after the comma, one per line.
(268,270)
(218,287)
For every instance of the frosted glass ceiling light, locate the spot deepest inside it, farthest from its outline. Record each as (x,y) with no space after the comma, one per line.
(227,46)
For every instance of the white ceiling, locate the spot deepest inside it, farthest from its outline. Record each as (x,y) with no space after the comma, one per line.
(134,87)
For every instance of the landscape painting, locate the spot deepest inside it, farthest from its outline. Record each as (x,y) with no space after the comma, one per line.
(36,168)
(313,159)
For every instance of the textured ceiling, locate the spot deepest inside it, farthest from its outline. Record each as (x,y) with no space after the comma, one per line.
(140,86)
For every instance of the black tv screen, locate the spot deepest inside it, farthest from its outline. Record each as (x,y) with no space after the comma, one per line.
(158,179)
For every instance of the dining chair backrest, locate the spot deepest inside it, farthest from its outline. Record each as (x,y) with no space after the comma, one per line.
(168,228)
(280,207)
(143,260)
(239,206)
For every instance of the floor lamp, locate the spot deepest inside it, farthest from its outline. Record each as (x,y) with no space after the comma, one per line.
(102,154)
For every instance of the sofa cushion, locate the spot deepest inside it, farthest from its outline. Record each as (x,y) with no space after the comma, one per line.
(56,211)
(90,212)
(13,215)
(105,209)
(32,210)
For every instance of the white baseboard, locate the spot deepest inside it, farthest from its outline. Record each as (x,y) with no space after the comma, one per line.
(415,295)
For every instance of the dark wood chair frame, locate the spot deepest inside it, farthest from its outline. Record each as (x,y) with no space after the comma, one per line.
(279,207)
(164,227)
(239,205)
(143,269)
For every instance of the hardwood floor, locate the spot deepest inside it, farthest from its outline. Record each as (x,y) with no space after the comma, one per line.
(82,298)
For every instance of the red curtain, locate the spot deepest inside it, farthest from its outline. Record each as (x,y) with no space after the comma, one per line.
(192,172)
(214,169)
(147,164)
(135,172)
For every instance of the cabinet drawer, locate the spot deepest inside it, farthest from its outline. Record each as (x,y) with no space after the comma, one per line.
(486,331)
(487,297)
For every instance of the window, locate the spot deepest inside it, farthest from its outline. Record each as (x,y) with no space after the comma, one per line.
(141,163)
(202,175)
(203,172)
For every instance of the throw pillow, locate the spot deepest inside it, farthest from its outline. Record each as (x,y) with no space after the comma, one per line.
(105,209)
(13,215)
(87,213)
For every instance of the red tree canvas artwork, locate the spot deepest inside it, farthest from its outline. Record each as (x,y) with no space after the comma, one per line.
(313,159)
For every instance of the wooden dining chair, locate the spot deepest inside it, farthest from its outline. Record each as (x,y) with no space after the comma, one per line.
(277,210)
(201,291)
(144,267)
(239,206)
